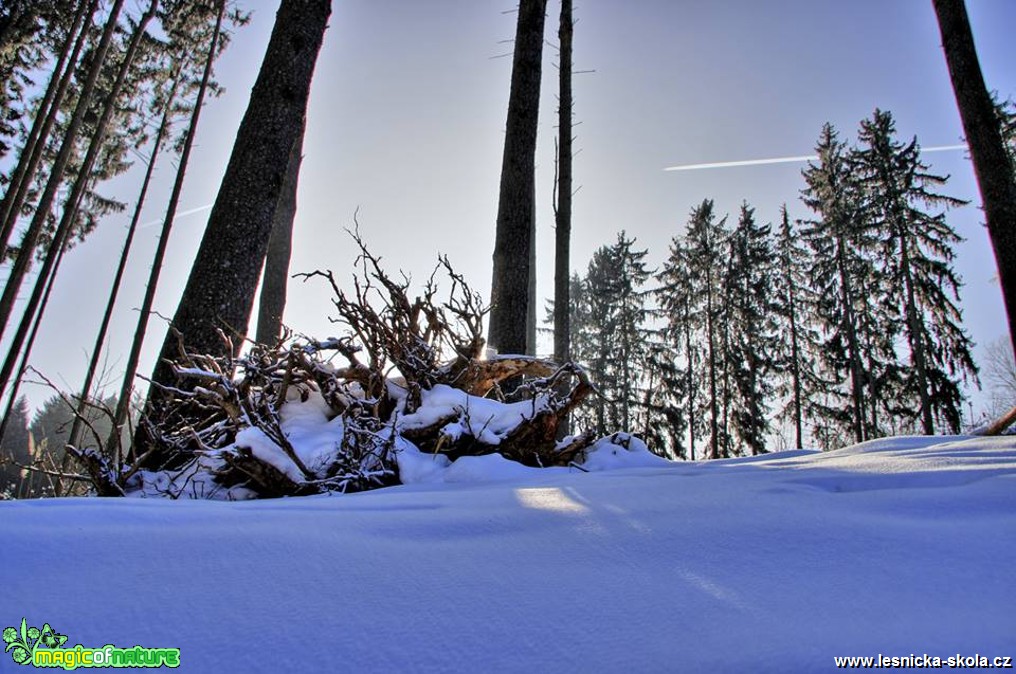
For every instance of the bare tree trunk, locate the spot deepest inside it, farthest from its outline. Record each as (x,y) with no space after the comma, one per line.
(127,386)
(100,339)
(513,239)
(994,172)
(272,303)
(31,237)
(563,210)
(42,125)
(222,285)
(531,288)
(73,201)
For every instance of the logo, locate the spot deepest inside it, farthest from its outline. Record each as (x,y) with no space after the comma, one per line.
(45,648)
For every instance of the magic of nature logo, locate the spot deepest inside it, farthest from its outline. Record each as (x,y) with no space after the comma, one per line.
(44,647)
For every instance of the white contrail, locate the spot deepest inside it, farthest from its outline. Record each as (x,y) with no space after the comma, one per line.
(784,160)
(178,215)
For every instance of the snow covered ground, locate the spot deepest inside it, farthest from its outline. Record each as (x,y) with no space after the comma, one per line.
(897,547)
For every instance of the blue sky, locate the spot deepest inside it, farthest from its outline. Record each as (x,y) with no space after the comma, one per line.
(407,116)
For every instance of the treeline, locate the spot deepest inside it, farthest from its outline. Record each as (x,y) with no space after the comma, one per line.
(843,326)
(39,440)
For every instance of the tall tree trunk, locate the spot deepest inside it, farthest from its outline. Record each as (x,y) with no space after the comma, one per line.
(995,174)
(42,125)
(127,386)
(73,201)
(531,286)
(510,283)
(222,285)
(690,379)
(916,343)
(714,431)
(272,303)
(100,338)
(563,210)
(849,327)
(31,237)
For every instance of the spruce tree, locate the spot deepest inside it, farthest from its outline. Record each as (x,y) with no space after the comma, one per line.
(792,310)
(751,326)
(616,333)
(840,265)
(707,255)
(917,263)
(674,298)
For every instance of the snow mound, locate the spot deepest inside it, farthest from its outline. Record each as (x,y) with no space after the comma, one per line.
(770,564)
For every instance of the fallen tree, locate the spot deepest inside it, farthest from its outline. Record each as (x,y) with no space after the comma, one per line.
(408,373)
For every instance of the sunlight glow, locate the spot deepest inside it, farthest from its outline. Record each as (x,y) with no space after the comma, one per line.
(552,499)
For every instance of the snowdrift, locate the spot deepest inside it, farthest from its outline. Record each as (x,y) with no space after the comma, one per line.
(781,563)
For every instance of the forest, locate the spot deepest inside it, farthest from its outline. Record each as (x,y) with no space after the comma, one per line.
(755,333)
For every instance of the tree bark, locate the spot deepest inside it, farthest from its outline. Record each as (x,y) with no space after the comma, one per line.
(127,386)
(510,283)
(272,303)
(222,285)
(994,172)
(563,212)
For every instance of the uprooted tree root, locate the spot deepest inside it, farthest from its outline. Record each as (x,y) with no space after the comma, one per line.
(395,351)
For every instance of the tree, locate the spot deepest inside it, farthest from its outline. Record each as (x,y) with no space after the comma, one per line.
(275,279)
(751,326)
(795,360)
(675,299)
(1000,375)
(20,179)
(706,245)
(220,290)
(996,176)
(614,339)
(509,314)
(916,261)
(841,267)
(55,180)
(563,186)
(15,447)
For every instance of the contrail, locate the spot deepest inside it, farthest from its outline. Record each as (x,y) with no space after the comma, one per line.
(784,160)
(178,215)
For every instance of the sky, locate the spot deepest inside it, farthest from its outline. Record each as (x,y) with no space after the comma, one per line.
(406,125)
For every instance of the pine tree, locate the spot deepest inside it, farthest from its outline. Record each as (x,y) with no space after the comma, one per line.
(707,252)
(917,256)
(674,299)
(795,360)
(613,333)
(752,337)
(840,266)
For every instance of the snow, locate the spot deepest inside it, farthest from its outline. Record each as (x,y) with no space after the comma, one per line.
(486,420)
(770,564)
